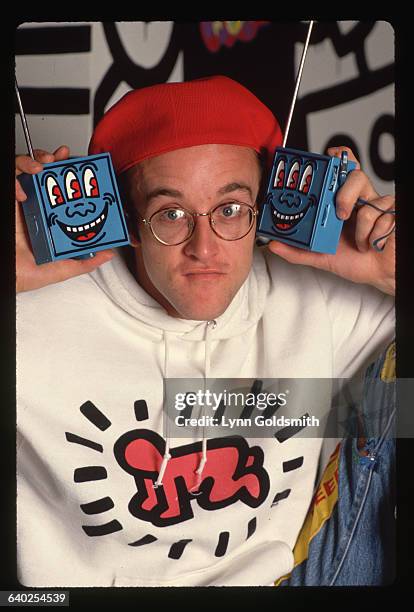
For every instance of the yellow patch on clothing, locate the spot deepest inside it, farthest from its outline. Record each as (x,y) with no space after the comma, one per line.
(388,369)
(320,510)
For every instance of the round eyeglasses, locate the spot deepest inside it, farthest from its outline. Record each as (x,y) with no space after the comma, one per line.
(230,221)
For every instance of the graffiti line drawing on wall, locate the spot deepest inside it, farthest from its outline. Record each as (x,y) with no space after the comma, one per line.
(259,54)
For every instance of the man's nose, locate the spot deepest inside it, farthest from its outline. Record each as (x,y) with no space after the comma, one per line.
(203,243)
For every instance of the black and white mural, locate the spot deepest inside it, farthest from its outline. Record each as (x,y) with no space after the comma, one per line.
(71,73)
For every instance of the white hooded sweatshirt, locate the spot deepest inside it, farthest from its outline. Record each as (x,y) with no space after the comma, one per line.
(92,356)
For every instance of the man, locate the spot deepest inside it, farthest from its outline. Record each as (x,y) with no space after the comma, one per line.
(106,499)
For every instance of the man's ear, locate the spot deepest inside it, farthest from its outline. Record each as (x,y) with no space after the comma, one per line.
(134,239)
(133,232)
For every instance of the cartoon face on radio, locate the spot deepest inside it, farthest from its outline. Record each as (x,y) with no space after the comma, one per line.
(294,190)
(80,204)
(293,196)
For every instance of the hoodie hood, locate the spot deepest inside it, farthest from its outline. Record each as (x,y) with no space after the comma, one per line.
(243,312)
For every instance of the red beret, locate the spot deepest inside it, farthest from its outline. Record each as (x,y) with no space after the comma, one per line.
(154,120)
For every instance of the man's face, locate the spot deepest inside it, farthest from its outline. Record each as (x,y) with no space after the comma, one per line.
(198,278)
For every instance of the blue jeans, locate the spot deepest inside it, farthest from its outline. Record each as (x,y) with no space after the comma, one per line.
(349,535)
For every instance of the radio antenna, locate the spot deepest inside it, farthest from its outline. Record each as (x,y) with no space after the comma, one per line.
(24,122)
(298,79)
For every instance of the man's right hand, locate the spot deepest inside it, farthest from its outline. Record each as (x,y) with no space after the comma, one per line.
(29,275)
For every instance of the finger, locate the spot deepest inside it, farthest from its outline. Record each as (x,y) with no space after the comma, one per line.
(337,152)
(367,218)
(383,226)
(20,194)
(365,221)
(82,266)
(44,157)
(23,240)
(26,164)
(357,185)
(299,256)
(70,267)
(61,153)
(58,271)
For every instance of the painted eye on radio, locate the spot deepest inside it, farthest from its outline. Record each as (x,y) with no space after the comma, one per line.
(91,184)
(292,182)
(280,175)
(306,180)
(72,186)
(54,191)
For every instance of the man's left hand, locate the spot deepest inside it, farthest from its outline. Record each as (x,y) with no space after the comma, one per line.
(355,258)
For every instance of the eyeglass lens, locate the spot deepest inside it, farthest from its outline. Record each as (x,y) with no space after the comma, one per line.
(230,221)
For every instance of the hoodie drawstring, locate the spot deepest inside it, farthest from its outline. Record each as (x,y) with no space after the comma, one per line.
(167,456)
(203,460)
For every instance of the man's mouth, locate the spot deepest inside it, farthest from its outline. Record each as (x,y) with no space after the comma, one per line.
(208,274)
(206,271)
(88,231)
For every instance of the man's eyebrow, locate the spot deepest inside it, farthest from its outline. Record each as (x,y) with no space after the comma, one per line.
(235,187)
(173,193)
(162,191)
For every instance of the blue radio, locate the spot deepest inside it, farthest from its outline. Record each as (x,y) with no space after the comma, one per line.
(299,206)
(73,208)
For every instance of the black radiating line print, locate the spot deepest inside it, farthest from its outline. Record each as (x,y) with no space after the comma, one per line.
(293,464)
(288,432)
(251,527)
(141,410)
(219,413)
(222,544)
(101,530)
(187,411)
(255,389)
(53,40)
(270,410)
(177,549)
(93,472)
(98,506)
(70,437)
(147,539)
(279,496)
(95,416)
